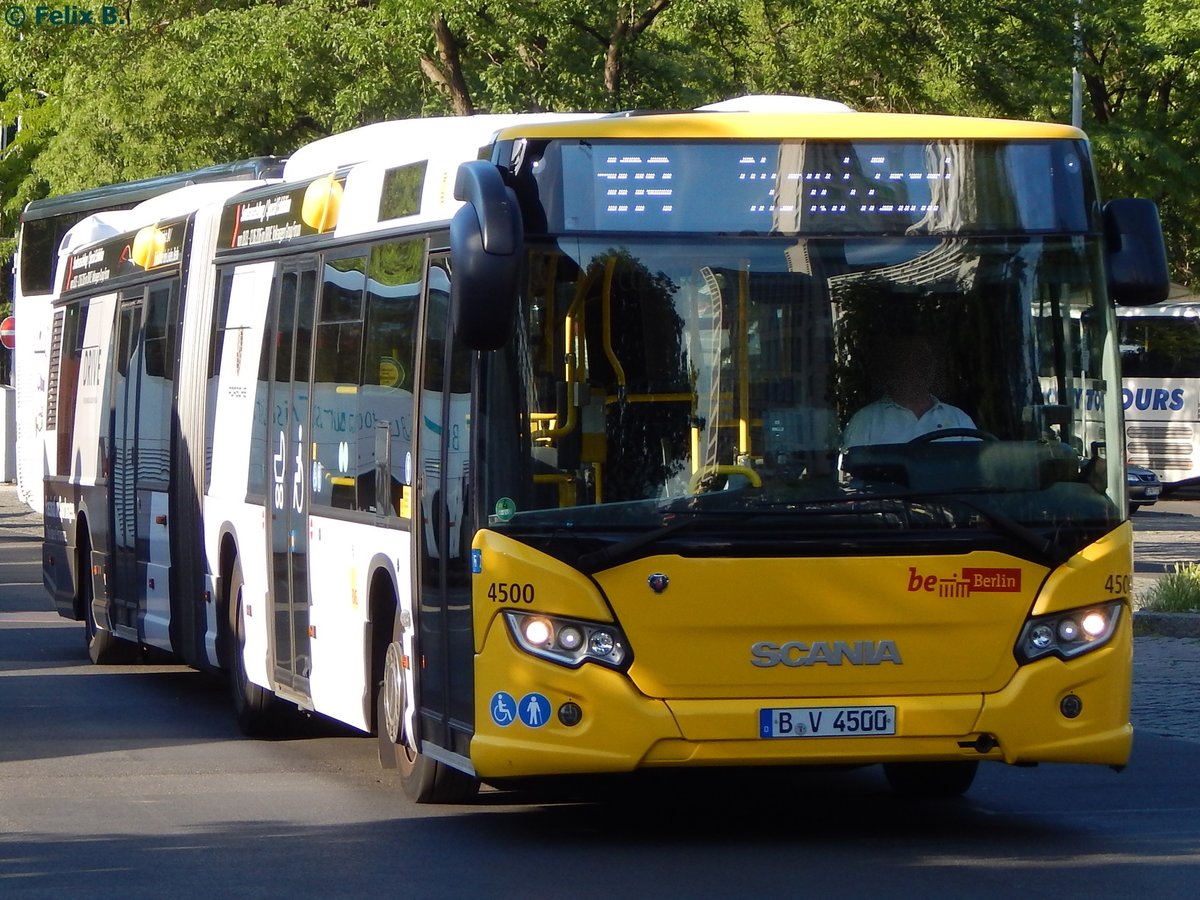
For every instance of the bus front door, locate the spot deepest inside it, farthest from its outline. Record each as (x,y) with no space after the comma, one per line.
(445,688)
(287,491)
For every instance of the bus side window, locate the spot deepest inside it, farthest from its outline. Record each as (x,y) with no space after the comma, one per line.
(216,347)
(337,405)
(74,319)
(393,291)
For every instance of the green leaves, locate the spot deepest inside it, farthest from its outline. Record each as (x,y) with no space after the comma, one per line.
(187,84)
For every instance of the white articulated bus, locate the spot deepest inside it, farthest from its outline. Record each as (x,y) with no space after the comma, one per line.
(192,465)
(46,229)
(1160,368)
(522,448)
(122,510)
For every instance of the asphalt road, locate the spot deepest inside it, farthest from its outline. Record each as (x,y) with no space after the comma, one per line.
(133,782)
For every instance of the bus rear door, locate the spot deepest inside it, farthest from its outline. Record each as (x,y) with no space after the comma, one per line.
(287,524)
(140,465)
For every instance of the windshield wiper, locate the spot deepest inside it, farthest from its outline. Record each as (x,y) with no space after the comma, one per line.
(1045,548)
(596,560)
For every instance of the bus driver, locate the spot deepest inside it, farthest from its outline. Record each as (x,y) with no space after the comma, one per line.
(908,408)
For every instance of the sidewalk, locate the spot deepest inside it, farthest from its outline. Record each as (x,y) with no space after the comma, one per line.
(15,516)
(1157,553)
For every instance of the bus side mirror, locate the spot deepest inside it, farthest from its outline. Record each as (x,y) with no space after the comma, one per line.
(1135,253)
(486,248)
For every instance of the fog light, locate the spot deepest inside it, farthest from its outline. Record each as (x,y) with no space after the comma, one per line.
(1071,706)
(1068,630)
(1094,624)
(570,713)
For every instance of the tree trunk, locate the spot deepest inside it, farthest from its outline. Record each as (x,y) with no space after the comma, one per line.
(446,72)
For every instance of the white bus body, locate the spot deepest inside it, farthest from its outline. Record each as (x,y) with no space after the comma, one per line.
(47,231)
(276,499)
(112,411)
(1160,388)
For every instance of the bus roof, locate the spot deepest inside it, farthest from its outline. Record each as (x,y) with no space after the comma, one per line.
(1179,309)
(835,125)
(777,103)
(407,139)
(132,192)
(104,225)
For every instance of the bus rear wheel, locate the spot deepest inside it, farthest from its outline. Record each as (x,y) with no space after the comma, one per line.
(253,704)
(424,780)
(931,780)
(104,647)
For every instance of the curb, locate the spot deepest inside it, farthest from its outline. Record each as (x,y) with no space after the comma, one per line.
(1183,625)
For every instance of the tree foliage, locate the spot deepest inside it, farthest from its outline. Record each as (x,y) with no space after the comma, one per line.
(181,85)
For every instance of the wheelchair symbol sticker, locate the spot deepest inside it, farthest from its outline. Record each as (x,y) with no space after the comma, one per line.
(504,708)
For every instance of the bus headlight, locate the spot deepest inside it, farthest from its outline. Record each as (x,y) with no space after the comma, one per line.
(1068,634)
(569,642)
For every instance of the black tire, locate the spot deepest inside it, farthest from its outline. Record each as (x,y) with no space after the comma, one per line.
(104,647)
(389,710)
(931,780)
(253,705)
(424,780)
(427,781)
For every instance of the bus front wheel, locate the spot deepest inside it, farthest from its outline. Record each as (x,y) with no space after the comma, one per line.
(424,780)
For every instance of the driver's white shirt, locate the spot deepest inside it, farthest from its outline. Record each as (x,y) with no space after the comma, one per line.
(887,422)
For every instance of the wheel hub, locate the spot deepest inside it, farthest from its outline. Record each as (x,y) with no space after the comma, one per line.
(393,693)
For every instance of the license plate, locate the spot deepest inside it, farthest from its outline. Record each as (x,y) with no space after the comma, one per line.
(827,721)
(1153,491)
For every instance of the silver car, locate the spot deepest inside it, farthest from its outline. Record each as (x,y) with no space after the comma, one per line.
(1144,487)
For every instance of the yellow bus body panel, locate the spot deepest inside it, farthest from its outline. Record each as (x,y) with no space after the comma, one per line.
(692,695)
(816,126)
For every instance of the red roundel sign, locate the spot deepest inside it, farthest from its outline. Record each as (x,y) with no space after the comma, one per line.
(8,332)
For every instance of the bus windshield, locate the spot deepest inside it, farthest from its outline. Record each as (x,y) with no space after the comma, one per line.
(656,378)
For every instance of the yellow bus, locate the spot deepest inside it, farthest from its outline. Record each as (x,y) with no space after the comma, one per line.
(584,453)
(678,558)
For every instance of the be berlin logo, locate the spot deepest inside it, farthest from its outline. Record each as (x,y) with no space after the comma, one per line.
(62,15)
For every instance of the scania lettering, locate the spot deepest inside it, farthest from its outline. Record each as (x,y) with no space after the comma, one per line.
(546,477)
(833,653)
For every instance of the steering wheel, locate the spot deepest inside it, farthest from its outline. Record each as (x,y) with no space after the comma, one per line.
(704,472)
(942,433)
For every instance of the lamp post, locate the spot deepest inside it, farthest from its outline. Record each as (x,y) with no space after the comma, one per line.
(1076,74)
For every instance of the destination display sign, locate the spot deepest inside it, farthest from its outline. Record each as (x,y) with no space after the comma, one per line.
(291,213)
(150,248)
(814,187)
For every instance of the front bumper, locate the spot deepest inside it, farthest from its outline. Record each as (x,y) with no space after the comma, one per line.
(622,730)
